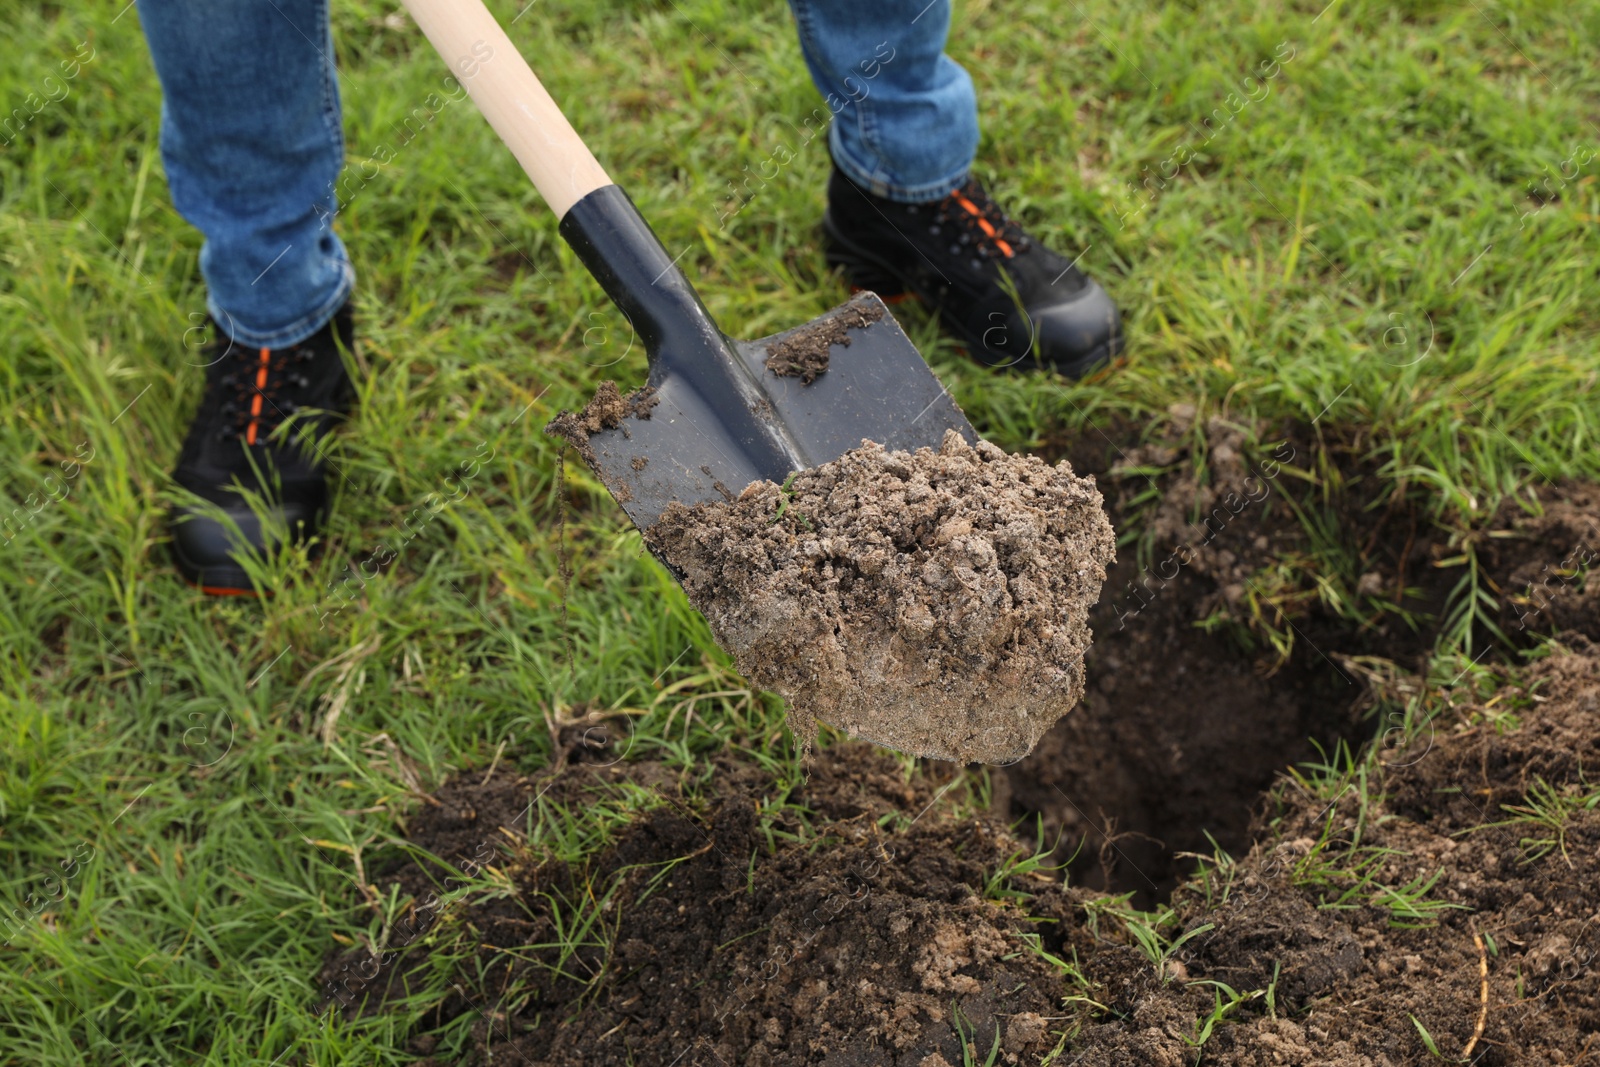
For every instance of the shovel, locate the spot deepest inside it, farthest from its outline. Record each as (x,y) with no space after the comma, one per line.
(713,417)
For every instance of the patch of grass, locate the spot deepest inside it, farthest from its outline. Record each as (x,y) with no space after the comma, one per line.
(967,1032)
(1342,871)
(1021,866)
(568,833)
(1071,971)
(788,498)
(1222,1007)
(1144,929)
(1214,873)
(1547,811)
(1471,607)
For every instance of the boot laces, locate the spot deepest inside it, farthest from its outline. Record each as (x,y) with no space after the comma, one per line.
(255,389)
(981,222)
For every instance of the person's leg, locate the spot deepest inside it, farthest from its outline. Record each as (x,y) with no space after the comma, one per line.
(252,146)
(251,141)
(904,114)
(904,213)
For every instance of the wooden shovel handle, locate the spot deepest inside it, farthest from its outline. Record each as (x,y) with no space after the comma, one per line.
(509,94)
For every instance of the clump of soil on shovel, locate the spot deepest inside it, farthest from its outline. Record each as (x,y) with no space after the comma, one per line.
(605,411)
(935,601)
(804,353)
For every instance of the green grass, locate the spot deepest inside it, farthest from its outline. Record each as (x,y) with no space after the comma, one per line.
(191,790)
(1205,1028)
(1546,813)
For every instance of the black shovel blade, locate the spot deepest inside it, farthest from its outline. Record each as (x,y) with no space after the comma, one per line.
(719,414)
(877,387)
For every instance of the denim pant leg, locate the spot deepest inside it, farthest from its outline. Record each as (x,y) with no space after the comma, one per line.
(905,115)
(251,140)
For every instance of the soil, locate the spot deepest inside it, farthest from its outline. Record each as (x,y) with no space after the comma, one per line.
(1354,966)
(851,924)
(848,921)
(1182,728)
(1540,562)
(804,353)
(605,411)
(1189,714)
(935,602)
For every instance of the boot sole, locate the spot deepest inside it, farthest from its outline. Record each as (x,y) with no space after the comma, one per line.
(213,580)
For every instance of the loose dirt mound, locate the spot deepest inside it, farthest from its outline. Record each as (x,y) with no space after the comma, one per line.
(605,411)
(1443,899)
(1373,917)
(721,930)
(804,353)
(936,602)
(856,939)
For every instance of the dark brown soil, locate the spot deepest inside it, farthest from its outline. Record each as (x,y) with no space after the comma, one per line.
(1542,563)
(1320,899)
(733,934)
(1183,727)
(804,352)
(605,411)
(855,946)
(932,601)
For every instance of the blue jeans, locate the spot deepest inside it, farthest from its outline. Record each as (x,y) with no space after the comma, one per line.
(252,144)
(905,117)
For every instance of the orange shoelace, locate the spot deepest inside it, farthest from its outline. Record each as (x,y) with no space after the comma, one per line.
(984,224)
(970,208)
(255,401)
(255,384)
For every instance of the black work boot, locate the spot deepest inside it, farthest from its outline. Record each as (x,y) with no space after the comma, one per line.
(1012,300)
(250,393)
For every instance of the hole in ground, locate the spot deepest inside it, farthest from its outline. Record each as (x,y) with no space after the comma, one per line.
(1178,735)
(1191,712)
